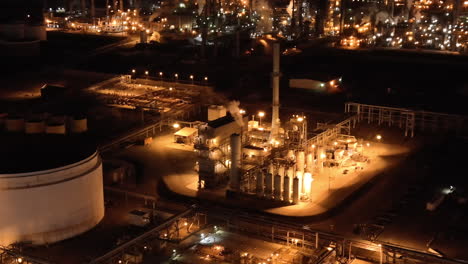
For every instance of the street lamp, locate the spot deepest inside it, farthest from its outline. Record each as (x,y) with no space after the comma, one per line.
(206,80)
(381,253)
(378,137)
(260,115)
(161,76)
(191,78)
(176,125)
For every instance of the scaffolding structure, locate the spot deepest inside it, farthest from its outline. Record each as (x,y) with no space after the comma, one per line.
(332,131)
(408,119)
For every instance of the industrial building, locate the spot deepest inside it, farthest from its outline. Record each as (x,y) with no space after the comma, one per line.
(51,188)
(270,160)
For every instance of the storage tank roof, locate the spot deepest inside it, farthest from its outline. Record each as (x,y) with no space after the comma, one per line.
(20,153)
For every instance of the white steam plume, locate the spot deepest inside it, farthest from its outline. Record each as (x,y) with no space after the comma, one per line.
(233,108)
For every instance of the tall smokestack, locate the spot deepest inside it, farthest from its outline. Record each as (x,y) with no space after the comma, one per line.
(236,148)
(275,121)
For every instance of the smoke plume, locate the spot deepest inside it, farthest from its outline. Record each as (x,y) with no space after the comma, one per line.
(233,108)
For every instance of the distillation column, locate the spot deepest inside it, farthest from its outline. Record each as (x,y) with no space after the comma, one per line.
(275,121)
(260,184)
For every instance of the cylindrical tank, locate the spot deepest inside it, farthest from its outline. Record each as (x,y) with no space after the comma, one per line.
(300,160)
(56,128)
(300,177)
(281,171)
(15,124)
(277,187)
(309,163)
(48,205)
(295,193)
(12,31)
(320,158)
(271,169)
(260,183)
(36,32)
(269,185)
(143,36)
(79,125)
(234,180)
(34,127)
(308,183)
(286,189)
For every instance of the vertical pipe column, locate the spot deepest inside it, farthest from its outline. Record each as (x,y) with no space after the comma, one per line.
(234,180)
(310,163)
(269,185)
(277,187)
(295,194)
(300,163)
(275,106)
(260,184)
(286,189)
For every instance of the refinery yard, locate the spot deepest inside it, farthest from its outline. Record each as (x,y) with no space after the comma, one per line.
(183,175)
(241,132)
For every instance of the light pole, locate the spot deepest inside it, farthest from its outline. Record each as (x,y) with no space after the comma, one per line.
(161,75)
(191,78)
(260,115)
(206,81)
(381,253)
(146,74)
(176,76)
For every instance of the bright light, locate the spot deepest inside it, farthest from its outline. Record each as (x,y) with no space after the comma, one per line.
(20,260)
(160,74)
(191,77)
(378,137)
(313,146)
(175,125)
(170,88)
(335,143)
(329,248)
(307,182)
(300,119)
(261,114)
(368,144)
(146,72)
(206,78)
(176,75)
(133,71)
(242,111)
(323,156)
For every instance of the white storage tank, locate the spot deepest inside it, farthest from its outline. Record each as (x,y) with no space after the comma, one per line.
(79,125)
(35,32)
(56,128)
(12,31)
(48,193)
(14,124)
(34,126)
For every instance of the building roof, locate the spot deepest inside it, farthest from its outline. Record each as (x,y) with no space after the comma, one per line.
(221,121)
(21,153)
(186,132)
